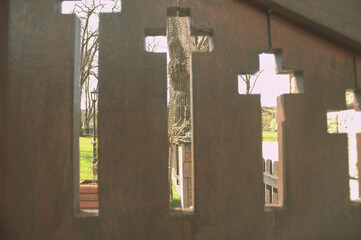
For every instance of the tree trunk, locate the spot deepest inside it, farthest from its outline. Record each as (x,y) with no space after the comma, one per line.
(179,46)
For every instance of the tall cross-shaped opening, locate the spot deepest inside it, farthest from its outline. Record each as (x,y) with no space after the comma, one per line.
(349,122)
(88,12)
(269,83)
(179,45)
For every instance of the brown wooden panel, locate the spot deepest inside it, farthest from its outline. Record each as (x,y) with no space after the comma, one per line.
(316,174)
(358,72)
(229,195)
(38,120)
(93,227)
(133,140)
(133,112)
(239,22)
(4,17)
(269,226)
(337,20)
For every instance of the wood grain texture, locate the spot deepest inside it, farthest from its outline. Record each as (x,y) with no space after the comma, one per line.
(133,135)
(133,174)
(336,20)
(37,122)
(39,106)
(93,228)
(4,21)
(358,72)
(316,174)
(229,196)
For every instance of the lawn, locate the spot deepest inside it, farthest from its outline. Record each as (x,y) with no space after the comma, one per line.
(176,203)
(86,157)
(269,136)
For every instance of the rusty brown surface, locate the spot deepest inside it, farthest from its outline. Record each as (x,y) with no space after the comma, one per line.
(316,173)
(4,18)
(358,73)
(226,125)
(133,136)
(40,117)
(132,94)
(37,123)
(336,20)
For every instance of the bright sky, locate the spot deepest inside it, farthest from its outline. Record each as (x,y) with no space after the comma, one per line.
(68,8)
(269,84)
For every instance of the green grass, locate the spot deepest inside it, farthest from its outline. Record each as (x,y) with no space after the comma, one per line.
(86,157)
(176,203)
(269,136)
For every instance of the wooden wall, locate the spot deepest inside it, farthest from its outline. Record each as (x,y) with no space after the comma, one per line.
(358,72)
(133,140)
(4,16)
(337,20)
(38,119)
(316,202)
(40,116)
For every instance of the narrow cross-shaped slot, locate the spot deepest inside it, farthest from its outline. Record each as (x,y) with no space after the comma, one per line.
(269,84)
(179,45)
(349,122)
(88,12)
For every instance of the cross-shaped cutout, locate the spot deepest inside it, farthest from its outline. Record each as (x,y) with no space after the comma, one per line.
(179,45)
(349,122)
(270,84)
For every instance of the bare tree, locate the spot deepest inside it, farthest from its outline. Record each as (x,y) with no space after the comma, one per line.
(88,12)
(250,81)
(152,44)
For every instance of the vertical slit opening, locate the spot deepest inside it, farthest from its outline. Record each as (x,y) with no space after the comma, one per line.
(179,45)
(88,12)
(271,82)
